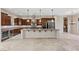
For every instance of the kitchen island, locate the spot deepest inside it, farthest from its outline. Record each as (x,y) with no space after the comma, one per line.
(39,33)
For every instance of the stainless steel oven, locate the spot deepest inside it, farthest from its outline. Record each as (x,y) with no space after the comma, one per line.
(4,35)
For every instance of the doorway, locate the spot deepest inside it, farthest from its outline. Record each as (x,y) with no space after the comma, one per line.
(65,27)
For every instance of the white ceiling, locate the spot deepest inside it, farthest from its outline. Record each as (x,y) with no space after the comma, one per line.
(44,11)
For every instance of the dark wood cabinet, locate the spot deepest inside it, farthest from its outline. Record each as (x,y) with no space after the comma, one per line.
(5,19)
(39,22)
(17,21)
(15,31)
(8,20)
(28,22)
(44,20)
(2,19)
(24,22)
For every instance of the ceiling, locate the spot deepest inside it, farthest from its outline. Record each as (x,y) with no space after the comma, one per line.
(44,11)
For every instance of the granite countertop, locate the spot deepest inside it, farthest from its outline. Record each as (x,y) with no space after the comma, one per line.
(4,28)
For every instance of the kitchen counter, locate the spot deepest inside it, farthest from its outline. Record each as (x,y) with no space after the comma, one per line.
(4,28)
(39,33)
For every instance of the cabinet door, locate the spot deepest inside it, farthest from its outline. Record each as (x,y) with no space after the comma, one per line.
(28,23)
(39,22)
(16,22)
(2,20)
(17,30)
(22,22)
(25,22)
(3,17)
(7,20)
(44,21)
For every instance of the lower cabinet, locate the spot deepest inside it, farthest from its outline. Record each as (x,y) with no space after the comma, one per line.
(15,32)
(10,33)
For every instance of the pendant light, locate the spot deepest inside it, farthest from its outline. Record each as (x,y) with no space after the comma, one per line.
(40,16)
(28,15)
(52,15)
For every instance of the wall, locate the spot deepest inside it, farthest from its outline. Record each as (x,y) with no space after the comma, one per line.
(77,24)
(73,28)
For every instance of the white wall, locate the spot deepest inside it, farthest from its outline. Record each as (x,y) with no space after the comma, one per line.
(73,28)
(77,24)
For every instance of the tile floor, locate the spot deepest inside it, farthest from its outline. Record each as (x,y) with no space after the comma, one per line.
(18,44)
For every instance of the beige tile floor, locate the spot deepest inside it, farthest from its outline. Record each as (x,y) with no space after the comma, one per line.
(18,44)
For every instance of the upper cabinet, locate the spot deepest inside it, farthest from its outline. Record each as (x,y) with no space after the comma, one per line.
(28,22)
(24,22)
(5,19)
(45,20)
(17,21)
(39,21)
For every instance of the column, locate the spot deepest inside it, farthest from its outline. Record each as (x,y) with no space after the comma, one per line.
(59,26)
